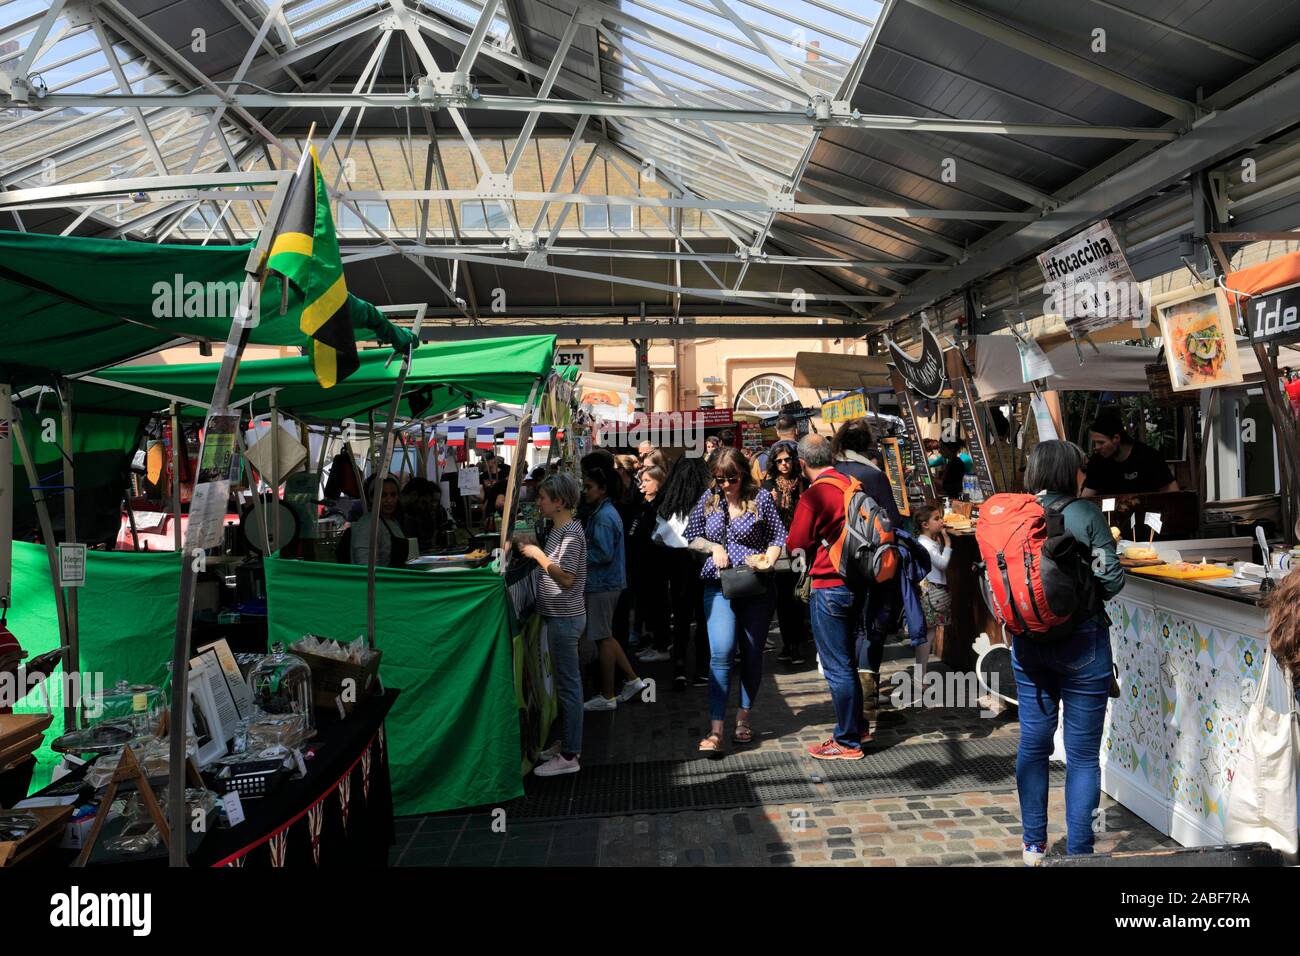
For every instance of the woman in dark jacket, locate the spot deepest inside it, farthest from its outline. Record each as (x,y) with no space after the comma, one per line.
(687,482)
(785,482)
(649,581)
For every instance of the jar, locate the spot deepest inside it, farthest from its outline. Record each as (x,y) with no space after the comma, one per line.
(281,685)
(137,706)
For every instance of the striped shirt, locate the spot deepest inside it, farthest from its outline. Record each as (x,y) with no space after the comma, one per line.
(567,547)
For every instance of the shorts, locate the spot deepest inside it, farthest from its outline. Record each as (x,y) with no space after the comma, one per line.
(600,614)
(936,602)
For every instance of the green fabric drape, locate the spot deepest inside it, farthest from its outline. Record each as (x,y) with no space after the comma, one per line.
(71,303)
(454,733)
(127,611)
(497,370)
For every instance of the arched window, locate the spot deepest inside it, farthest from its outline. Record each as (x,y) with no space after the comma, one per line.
(765,395)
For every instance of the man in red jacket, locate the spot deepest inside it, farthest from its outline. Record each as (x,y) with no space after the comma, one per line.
(818,521)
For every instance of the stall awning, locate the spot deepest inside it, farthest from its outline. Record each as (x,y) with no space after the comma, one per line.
(837,372)
(493,370)
(69,303)
(1115,368)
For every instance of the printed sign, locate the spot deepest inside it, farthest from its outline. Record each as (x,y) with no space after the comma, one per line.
(72,565)
(220,449)
(920,469)
(206,527)
(1273,316)
(467,480)
(845,409)
(1154,522)
(579,355)
(925,375)
(1200,342)
(1089,282)
(1034,363)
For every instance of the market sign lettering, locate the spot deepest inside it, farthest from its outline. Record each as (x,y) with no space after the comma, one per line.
(845,409)
(924,375)
(1274,315)
(1088,281)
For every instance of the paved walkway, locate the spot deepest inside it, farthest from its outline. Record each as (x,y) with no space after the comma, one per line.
(818,825)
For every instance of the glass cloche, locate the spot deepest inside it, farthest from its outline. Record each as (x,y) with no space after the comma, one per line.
(281,685)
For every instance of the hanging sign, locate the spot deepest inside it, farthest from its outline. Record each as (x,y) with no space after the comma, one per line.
(974,435)
(896,474)
(924,375)
(1273,316)
(579,355)
(1034,363)
(1089,282)
(845,409)
(920,469)
(1043,418)
(72,565)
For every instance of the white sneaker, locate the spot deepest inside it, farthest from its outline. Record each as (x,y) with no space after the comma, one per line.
(633,687)
(652,656)
(556,766)
(601,703)
(552,751)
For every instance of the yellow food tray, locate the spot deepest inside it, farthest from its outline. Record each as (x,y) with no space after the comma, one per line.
(1200,572)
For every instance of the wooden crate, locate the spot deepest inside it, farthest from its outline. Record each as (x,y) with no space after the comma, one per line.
(328,677)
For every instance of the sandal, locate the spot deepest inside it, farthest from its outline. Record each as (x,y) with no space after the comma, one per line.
(712,744)
(743,734)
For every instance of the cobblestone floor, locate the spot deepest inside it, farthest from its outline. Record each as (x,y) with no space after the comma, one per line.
(793,711)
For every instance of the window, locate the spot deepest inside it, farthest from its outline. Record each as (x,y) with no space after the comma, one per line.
(766,395)
(612,218)
(477,214)
(375,210)
(199,219)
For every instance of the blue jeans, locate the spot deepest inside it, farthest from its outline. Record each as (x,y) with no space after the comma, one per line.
(835,613)
(1076,672)
(746,622)
(562,635)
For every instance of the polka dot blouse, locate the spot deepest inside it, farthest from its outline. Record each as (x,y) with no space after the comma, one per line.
(752,533)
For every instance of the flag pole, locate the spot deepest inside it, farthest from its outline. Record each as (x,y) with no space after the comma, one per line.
(377,484)
(241,328)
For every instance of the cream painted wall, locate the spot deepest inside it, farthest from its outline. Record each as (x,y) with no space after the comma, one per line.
(735,361)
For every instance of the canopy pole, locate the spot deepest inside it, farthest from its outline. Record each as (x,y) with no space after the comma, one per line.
(6,503)
(516,473)
(377,489)
(241,327)
(176,474)
(70,525)
(47,535)
(275,473)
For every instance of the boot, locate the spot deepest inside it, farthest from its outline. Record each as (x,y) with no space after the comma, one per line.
(870,703)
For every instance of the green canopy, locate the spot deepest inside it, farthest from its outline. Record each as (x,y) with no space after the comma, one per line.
(447,374)
(69,303)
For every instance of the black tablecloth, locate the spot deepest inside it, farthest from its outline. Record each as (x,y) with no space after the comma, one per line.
(339,814)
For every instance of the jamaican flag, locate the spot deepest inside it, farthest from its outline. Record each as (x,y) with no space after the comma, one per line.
(305,252)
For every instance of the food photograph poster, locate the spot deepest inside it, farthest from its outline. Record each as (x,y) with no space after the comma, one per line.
(1200,341)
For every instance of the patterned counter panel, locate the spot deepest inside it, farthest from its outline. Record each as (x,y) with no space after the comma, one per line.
(1188,668)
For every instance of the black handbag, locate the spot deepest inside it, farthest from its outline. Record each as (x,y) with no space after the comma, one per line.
(739,583)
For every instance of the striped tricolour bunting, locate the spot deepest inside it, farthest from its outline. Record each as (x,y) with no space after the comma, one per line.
(542,436)
(456,436)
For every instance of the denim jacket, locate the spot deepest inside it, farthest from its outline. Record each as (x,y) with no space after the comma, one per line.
(606,564)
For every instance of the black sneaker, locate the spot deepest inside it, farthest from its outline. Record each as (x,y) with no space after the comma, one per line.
(784,657)
(699,681)
(679,682)
(797,658)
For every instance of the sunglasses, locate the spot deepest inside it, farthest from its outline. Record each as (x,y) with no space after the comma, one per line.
(785,461)
(727,480)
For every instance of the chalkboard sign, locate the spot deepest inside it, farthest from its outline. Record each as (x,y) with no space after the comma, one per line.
(916,450)
(974,434)
(924,375)
(896,474)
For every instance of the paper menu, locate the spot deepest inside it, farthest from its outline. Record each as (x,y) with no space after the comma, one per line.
(239,689)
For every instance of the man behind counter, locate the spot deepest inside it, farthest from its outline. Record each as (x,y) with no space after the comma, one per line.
(1120,465)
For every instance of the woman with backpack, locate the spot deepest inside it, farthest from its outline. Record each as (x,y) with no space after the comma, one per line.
(738,524)
(1069,667)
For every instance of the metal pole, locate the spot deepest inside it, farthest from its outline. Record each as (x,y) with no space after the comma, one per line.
(176,475)
(240,328)
(377,489)
(70,527)
(47,535)
(6,502)
(275,473)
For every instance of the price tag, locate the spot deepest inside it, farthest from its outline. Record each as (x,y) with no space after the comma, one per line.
(234,807)
(338,699)
(1153,522)
(1108,505)
(300,763)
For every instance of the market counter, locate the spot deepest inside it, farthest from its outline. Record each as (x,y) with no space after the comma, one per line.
(970,615)
(339,815)
(1189,656)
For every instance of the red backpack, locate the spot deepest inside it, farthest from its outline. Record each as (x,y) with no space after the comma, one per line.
(1035,575)
(865,552)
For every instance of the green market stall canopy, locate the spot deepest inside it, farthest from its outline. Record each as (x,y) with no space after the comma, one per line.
(70,304)
(443,377)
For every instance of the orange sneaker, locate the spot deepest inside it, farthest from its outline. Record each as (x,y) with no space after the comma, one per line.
(832,750)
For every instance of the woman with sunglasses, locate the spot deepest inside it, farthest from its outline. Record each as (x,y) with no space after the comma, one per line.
(738,524)
(785,483)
